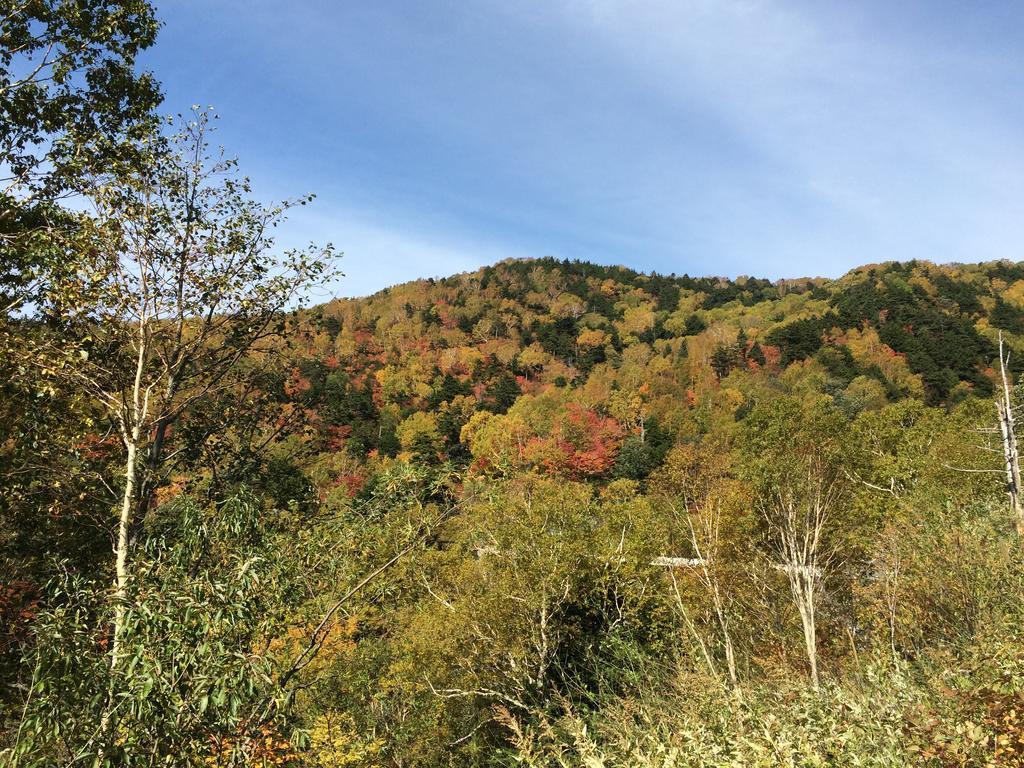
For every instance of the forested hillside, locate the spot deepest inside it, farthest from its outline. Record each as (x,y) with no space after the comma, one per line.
(539,513)
(619,357)
(548,513)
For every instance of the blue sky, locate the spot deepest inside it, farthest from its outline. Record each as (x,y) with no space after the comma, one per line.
(724,137)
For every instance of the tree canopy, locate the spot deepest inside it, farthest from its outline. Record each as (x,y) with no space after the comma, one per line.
(545,513)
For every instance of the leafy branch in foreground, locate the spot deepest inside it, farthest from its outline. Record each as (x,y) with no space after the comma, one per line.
(180,282)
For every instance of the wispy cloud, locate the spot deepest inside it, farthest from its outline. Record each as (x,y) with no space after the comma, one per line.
(380,253)
(904,145)
(771,137)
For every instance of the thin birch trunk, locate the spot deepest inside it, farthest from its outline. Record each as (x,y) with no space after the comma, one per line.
(1007,427)
(800,540)
(708,562)
(131,428)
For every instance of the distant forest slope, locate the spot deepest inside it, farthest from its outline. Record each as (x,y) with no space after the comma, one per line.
(412,368)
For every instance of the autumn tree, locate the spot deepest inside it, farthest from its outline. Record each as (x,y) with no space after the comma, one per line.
(183,287)
(1005,408)
(708,504)
(541,593)
(71,102)
(796,460)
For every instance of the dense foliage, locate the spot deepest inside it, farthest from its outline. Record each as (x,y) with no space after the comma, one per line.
(547,513)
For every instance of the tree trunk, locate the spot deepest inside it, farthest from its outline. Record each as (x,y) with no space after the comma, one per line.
(120,590)
(148,482)
(803,591)
(1007,427)
(730,651)
(121,564)
(131,430)
(800,537)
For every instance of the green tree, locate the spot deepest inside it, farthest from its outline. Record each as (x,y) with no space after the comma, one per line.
(183,283)
(71,104)
(419,434)
(797,460)
(70,101)
(211,588)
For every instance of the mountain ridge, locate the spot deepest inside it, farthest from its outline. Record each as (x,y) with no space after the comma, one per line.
(410,370)
(545,261)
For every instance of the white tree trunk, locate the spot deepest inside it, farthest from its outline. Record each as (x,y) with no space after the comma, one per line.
(1007,429)
(132,422)
(800,529)
(121,559)
(803,588)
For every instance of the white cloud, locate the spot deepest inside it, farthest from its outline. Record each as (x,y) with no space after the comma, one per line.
(380,250)
(899,145)
(770,137)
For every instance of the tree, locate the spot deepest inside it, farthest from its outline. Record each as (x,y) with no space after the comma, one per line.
(183,284)
(538,594)
(697,484)
(631,408)
(70,100)
(1007,316)
(501,394)
(70,103)
(210,586)
(1008,434)
(724,359)
(420,436)
(581,444)
(799,515)
(797,463)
